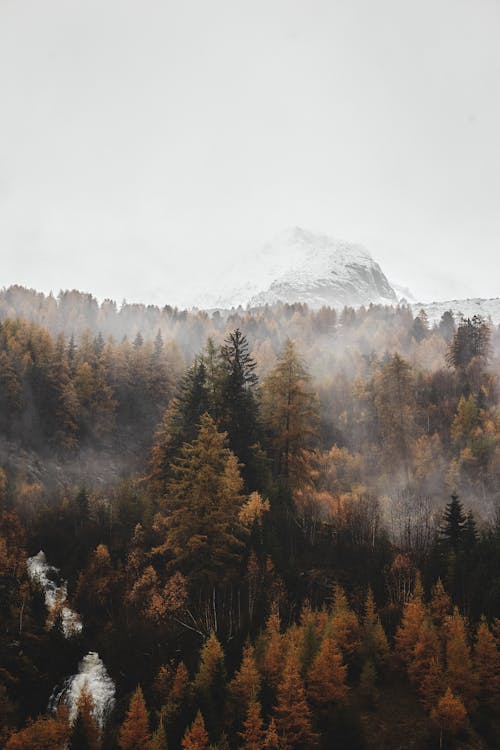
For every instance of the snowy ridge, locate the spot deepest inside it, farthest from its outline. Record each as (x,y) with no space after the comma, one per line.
(301,266)
(467,308)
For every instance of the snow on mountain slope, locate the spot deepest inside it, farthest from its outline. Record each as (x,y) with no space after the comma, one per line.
(300,266)
(467,308)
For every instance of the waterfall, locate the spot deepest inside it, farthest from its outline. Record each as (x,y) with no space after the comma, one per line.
(93,677)
(56,592)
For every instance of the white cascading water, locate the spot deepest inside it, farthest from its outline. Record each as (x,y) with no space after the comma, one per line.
(56,592)
(92,675)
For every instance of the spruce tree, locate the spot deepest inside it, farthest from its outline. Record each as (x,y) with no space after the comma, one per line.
(237,395)
(452,531)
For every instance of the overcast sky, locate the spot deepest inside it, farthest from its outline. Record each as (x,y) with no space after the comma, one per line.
(144,144)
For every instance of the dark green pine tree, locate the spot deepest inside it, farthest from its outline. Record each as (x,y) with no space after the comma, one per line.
(180,424)
(469,532)
(192,403)
(453,528)
(237,397)
(471,339)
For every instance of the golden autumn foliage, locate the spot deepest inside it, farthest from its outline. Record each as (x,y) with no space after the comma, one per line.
(245,685)
(86,723)
(374,644)
(289,409)
(292,712)
(460,675)
(426,652)
(203,532)
(274,651)
(252,736)
(440,604)
(252,511)
(159,738)
(196,737)
(46,733)
(326,680)
(486,659)
(343,624)
(432,684)
(408,632)
(211,664)
(449,714)
(134,732)
(178,693)
(271,739)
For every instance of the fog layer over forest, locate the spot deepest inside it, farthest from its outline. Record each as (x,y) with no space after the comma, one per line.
(271,528)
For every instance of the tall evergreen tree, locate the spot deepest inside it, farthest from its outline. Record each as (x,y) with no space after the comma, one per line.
(471,339)
(395,399)
(292,713)
(204,497)
(134,732)
(237,399)
(196,737)
(290,415)
(179,425)
(211,685)
(453,527)
(253,736)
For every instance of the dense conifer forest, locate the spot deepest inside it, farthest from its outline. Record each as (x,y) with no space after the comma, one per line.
(268,529)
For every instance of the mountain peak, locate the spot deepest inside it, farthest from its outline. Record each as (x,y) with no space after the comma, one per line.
(298,265)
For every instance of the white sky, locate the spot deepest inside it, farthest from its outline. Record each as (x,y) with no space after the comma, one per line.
(145,143)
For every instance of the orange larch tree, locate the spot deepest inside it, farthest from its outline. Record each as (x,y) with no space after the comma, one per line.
(427,650)
(343,624)
(408,632)
(449,714)
(274,651)
(210,684)
(196,737)
(245,685)
(85,730)
(134,733)
(374,643)
(487,666)
(326,681)
(292,713)
(460,675)
(44,733)
(440,604)
(253,735)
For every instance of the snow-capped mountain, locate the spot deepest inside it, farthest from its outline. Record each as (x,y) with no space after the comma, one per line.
(301,266)
(466,308)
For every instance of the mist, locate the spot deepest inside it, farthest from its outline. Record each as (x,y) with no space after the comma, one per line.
(143,153)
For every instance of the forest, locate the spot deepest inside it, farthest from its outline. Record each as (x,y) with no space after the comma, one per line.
(274,529)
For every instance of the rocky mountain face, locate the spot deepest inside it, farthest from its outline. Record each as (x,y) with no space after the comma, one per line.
(300,266)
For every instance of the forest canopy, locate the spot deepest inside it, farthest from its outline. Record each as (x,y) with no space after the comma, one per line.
(274,528)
